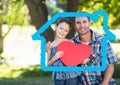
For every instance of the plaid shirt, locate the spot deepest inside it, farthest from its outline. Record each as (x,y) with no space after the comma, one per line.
(95,78)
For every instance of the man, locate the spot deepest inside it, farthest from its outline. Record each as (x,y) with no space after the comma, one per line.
(88,36)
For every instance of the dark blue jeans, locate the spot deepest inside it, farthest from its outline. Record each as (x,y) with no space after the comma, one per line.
(72,81)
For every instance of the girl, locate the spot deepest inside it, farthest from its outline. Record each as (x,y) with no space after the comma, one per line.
(63,27)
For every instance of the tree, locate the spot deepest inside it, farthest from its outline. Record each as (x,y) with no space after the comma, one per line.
(12,12)
(1,39)
(112,7)
(39,15)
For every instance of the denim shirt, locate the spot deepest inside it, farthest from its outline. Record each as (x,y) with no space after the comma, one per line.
(61,75)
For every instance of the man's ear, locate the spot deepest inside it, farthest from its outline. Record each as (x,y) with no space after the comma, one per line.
(90,23)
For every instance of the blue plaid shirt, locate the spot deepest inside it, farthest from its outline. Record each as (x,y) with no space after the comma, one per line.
(95,78)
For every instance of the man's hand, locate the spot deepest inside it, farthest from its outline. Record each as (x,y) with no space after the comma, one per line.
(86,61)
(108,74)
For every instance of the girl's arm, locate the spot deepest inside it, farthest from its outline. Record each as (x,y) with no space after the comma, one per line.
(54,58)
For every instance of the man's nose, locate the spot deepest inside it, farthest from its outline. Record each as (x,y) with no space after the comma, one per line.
(81,25)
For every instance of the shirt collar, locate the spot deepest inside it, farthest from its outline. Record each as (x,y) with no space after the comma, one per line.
(94,37)
(94,34)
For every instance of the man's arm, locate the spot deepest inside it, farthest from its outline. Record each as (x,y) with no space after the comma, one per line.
(108,74)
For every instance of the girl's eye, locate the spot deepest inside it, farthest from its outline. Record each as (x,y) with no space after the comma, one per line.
(66,30)
(78,23)
(61,28)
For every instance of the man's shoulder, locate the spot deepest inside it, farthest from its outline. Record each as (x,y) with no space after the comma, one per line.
(97,36)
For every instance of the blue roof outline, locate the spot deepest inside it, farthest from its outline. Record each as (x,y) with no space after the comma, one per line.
(94,18)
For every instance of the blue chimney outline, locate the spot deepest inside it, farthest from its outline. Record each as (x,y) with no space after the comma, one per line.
(94,17)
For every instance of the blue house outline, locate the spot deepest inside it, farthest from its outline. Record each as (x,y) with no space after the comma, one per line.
(94,17)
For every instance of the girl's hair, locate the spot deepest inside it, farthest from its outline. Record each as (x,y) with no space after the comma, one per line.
(66,20)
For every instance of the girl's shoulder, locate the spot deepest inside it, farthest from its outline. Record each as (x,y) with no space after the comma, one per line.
(53,44)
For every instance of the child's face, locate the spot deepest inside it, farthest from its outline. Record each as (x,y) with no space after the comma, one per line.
(62,30)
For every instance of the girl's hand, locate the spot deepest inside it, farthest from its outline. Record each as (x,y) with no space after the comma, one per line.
(58,55)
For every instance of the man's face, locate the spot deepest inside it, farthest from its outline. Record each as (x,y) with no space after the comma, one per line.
(82,25)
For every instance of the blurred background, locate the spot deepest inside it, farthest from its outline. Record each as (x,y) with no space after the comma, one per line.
(20,19)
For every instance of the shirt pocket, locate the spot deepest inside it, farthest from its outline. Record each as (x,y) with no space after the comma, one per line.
(95,59)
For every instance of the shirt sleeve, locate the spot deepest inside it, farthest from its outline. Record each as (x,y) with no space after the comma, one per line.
(111,58)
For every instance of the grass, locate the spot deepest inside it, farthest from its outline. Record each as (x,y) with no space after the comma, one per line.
(32,75)
(32,81)
(27,81)
(118,81)
(117,71)
(23,72)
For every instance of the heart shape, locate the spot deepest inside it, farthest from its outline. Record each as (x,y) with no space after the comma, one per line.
(74,54)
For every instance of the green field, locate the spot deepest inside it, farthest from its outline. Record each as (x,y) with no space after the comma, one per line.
(32,81)
(32,75)
(27,81)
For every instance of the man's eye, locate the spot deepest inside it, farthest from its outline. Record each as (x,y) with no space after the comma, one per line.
(84,21)
(78,23)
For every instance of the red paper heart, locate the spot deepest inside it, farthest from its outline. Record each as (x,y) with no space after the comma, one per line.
(74,54)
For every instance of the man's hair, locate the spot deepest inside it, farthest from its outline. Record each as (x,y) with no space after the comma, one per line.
(85,16)
(88,18)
